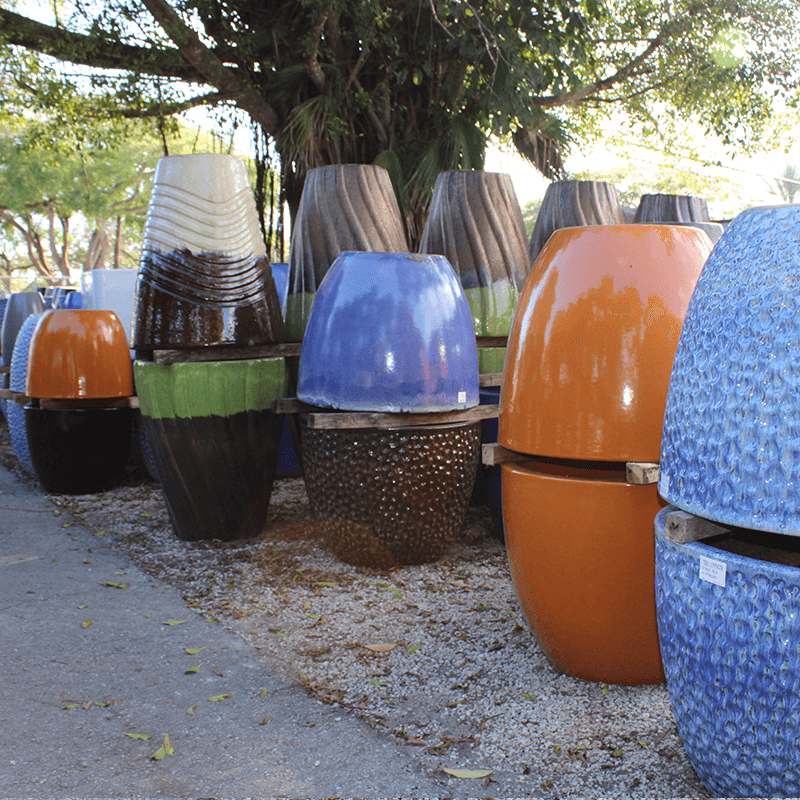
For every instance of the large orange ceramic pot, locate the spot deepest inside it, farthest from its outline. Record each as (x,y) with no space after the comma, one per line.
(593,339)
(582,563)
(79,361)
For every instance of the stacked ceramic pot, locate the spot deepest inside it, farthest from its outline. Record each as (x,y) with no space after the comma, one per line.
(18,307)
(587,370)
(205,294)
(390,332)
(677,209)
(344,207)
(569,204)
(78,421)
(476,222)
(18,379)
(728,608)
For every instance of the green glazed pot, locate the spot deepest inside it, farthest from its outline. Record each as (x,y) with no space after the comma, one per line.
(215,441)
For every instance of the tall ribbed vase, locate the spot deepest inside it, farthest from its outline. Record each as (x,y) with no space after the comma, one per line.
(476,222)
(570,204)
(343,207)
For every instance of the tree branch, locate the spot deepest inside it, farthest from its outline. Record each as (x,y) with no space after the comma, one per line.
(92,51)
(211,68)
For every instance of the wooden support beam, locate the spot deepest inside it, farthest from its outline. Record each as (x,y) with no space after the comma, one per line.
(642,472)
(318,417)
(492,341)
(682,527)
(5,370)
(636,472)
(490,379)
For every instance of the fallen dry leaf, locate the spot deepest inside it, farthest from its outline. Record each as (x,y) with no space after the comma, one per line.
(380,647)
(468,773)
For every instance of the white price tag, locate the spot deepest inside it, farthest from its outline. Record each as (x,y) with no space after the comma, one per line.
(462,397)
(713,571)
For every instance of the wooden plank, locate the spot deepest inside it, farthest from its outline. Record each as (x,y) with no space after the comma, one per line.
(223,353)
(493,454)
(682,527)
(5,370)
(490,379)
(371,419)
(492,341)
(642,472)
(291,405)
(15,397)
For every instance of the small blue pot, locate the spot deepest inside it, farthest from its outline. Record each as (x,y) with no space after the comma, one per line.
(390,332)
(731,657)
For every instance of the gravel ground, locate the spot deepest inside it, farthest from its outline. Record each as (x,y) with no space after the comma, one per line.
(436,655)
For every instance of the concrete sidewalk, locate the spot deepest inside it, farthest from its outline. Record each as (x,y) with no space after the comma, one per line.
(82,664)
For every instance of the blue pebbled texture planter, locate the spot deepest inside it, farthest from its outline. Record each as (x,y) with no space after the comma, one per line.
(731,441)
(16,413)
(390,332)
(732,662)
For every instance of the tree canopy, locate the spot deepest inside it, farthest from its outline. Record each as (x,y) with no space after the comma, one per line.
(416,86)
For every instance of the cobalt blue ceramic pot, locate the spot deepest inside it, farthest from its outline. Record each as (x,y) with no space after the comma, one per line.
(729,628)
(390,332)
(15,414)
(731,440)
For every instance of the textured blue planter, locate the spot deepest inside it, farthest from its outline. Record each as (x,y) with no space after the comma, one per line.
(732,661)
(390,332)
(731,440)
(15,412)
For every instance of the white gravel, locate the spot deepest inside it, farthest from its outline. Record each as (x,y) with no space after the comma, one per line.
(437,655)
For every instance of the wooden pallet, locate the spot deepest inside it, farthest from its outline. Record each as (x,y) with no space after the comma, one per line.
(636,472)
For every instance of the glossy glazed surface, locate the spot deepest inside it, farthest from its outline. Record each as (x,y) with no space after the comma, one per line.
(15,413)
(343,207)
(111,289)
(214,442)
(732,665)
(18,307)
(581,554)
(389,332)
(203,202)
(731,449)
(78,450)
(591,348)
(79,354)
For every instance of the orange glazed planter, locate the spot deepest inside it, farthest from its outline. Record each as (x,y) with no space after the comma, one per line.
(591,347)
(582,559)
(79,354)
(79,361)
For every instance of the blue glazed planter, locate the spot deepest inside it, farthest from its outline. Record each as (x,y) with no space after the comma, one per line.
(15,413)
(732,662)
(390,332)
(731,440)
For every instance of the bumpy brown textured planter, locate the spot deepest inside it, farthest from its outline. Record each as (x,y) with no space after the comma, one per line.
(389,497)
(476,222)
(343,207)
(569,204)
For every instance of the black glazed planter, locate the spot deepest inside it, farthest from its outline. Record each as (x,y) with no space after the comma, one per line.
(78,450)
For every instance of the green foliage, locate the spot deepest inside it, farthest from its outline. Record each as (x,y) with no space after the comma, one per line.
(417,84)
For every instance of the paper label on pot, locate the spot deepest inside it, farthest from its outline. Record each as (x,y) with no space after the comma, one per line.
(462,397)
(663,485)
(713,571)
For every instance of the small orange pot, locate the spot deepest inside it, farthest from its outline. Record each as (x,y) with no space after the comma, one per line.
(594,335)
(79,354)
(582,555)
